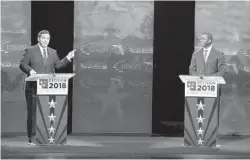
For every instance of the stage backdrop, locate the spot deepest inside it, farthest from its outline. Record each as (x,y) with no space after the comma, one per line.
(113,66)
(229,23)
(15,36)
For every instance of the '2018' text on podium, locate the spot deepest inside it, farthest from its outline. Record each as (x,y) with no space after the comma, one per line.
(202,99)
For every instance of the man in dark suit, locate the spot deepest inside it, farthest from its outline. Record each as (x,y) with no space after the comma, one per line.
(39,59)
(207,61)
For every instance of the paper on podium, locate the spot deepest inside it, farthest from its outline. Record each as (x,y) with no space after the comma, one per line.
(185,78)
(55,75)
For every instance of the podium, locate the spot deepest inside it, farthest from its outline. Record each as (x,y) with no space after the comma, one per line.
(201,110)
(52,108)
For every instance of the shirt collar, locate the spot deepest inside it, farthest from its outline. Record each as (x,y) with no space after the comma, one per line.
(41,48)
(208,49)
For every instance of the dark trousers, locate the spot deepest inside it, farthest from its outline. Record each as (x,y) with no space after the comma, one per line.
(30,94)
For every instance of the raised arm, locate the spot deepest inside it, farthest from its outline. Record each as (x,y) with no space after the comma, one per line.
(60,63)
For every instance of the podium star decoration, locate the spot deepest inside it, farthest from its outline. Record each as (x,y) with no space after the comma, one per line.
(51,140)
(200,132)
(51,129)
(52,104)
(200,142)
(200,119)
(200,106)
(52,117)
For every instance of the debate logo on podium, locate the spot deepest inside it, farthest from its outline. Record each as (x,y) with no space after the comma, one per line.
(201,88)
(52,86)
(44,83)
(191,85)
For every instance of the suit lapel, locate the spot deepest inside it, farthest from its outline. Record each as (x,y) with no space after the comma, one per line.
(49,54)
(45,62)
(39,53)
(210,56)
(201,60)
(201,57)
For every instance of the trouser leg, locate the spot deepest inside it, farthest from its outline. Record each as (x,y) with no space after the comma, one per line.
(30,95)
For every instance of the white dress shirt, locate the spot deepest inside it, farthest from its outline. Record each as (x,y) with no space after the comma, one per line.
(46,50)
(206,52)
(41,49)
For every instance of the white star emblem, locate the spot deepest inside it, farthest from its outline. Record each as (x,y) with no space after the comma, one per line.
(200,142)
(52,129)
(200,132)
(200,106)
(52,104)
(51,140)
(52,117)
(200,119)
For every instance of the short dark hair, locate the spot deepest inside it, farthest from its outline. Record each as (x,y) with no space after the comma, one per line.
(210,36)
(42,32)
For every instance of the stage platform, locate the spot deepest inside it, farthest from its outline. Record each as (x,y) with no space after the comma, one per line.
(114,147)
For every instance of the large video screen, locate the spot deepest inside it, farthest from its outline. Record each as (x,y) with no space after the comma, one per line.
(15,37)
(229,23)
(113,66)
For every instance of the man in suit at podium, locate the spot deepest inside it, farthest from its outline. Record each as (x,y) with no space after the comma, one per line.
(39,59)
(207,61)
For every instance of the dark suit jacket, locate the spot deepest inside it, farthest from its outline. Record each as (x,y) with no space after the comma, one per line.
(33,59)
(215,65)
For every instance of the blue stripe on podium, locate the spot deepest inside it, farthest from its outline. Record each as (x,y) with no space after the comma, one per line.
(65,104)
(42,115)
(210,117)
(188,142)
(41,134)
(209,139)
(190,116)
(64,130)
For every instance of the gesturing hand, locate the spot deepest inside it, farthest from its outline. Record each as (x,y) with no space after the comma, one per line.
(32,72)
(72,54)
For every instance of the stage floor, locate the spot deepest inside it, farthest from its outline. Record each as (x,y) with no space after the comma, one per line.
(124,147)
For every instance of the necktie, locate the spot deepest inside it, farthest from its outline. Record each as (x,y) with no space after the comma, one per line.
(205,55)
(44,56)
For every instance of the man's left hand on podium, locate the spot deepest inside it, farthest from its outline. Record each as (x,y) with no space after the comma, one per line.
(201,76)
